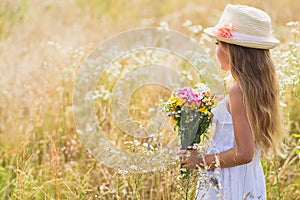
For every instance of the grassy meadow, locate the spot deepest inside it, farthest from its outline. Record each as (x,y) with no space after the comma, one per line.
(43,44)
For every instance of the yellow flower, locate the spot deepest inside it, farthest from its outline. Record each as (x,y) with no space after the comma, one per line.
(215,101)
(179,102)
(174,121)
(203,109)
(173,99)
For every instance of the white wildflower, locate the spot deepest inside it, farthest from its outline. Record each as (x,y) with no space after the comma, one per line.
(196,28)
(187,23)
(164,24)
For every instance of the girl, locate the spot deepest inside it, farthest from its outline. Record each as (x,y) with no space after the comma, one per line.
(247,120)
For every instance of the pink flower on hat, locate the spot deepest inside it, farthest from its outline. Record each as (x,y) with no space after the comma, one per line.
(225,31)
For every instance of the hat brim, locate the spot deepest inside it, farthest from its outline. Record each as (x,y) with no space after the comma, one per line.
(263,43)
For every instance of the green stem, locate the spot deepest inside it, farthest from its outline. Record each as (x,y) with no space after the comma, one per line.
(277,179)
(188,185)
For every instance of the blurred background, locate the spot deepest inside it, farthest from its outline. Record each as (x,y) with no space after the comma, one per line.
(43,44)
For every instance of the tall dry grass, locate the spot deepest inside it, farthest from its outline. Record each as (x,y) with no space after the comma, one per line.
(43,43)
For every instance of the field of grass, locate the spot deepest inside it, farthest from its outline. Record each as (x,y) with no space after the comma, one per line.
(43,44)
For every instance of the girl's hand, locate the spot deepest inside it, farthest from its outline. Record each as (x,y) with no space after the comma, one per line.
(190,158)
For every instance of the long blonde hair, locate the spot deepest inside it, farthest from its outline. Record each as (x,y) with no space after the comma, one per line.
(254,71)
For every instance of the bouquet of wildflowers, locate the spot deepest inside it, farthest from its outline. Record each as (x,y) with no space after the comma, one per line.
(190,112)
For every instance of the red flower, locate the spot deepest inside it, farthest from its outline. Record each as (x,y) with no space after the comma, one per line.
(225,31)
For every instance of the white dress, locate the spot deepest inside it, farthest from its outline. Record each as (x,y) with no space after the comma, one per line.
(234,183)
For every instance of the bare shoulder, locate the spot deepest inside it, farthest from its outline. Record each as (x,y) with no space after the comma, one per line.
(235,90)
(235,97)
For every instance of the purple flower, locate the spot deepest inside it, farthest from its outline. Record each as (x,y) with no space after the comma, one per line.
(152,138)
(183,91)
(158,143)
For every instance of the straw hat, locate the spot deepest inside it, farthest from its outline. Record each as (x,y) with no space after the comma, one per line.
(244,26)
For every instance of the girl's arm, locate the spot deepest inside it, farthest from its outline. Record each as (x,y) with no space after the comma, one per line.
(243,151)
